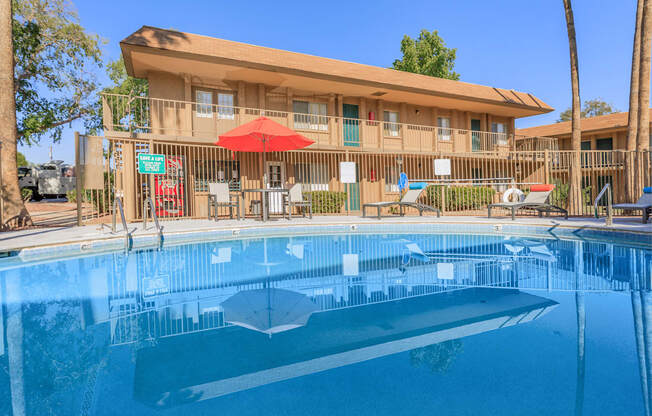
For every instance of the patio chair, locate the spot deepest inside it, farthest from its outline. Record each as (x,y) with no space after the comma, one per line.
(644,204)
(295,198)
(409,200)
(537,200)
(219,196)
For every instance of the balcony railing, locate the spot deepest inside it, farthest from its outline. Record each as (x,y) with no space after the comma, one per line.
(204,122)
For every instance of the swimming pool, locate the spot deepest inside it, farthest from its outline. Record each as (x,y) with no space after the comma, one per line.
(382,324)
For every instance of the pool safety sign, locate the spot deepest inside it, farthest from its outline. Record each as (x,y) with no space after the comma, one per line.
(348,172)
(151,163)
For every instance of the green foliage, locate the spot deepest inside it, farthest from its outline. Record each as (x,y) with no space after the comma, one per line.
(26,194)
(592,108)
(55,59)
(427,55)
(71,195)
(559,195)
(21,160)
(98,198)
(327,202)
(123,84)
(460,198)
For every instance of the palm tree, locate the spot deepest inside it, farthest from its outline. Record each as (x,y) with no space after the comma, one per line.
(574,194)
(580,311)
(14,209)
(643,135)
(639,333)
(632,120)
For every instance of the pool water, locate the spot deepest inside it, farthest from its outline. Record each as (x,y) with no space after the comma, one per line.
(396,324)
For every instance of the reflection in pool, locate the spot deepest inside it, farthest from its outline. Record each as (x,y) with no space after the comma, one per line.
(332,324)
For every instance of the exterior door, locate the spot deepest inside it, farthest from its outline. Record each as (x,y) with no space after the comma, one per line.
(351,125)
(353,191)
(475,135)
(276,179)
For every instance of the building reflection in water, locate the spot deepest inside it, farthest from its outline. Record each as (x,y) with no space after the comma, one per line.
(374,297)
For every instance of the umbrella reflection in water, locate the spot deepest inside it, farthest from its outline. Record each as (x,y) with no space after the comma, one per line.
(268,310)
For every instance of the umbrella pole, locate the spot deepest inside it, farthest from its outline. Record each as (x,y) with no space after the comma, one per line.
(264,194)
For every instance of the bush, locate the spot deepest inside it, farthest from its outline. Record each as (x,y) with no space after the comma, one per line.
(98,197)
(459,198)
(71,196)
(559,196)
(26,194)
(327,202)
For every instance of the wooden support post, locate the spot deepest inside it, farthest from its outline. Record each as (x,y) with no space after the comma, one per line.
(78,180)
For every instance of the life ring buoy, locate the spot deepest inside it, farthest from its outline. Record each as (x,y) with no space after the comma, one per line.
(513,193)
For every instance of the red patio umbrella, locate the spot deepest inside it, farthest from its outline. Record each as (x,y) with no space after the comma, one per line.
(263,135)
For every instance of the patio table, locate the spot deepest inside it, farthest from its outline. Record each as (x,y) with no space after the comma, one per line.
(265,199)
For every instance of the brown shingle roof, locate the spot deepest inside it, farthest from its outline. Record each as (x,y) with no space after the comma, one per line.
(282,61)
(607,121)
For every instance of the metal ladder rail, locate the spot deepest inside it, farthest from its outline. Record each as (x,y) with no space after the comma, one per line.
(606,190)
(159,228)
(118,203)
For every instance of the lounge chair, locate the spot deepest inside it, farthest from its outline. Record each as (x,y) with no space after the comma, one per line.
(295,198)
(409,200)
(537,200)
(644,204)
(220,196)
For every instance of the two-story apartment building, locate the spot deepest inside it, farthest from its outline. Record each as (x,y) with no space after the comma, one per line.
(201,87)
(606,132)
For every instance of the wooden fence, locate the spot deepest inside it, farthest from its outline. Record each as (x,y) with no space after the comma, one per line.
(476,180)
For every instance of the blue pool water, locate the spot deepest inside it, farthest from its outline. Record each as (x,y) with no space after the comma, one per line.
(397,324)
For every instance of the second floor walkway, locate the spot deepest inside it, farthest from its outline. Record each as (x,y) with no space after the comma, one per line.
(199,122)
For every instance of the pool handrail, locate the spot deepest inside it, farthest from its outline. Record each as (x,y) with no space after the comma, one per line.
(606,189)
(159,229)
(117,203)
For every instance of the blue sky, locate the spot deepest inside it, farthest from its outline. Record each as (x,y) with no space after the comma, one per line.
(514,44)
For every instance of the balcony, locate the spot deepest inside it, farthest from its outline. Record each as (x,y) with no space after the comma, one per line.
(192,121)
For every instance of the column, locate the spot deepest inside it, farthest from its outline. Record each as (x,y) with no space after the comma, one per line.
(290,107)
(261,97)
(435,136)
(187,90)
(402,118)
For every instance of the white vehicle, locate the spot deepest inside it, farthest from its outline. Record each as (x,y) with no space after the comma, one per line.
(49,180)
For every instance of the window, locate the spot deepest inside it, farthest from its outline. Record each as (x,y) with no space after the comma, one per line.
(391,179)
(204,103)
(310,116)
(312,176)
(217,171)
(444,128)
(391,126)
(501,137)
(225,106)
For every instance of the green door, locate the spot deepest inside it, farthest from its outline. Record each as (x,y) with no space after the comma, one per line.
(351,125)
(353,192)
(475,135)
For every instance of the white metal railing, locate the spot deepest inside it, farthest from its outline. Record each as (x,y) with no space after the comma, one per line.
(606,190)
(187,118)
(159,229)
(117,207)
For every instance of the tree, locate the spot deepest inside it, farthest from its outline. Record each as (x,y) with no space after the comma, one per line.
(427,55)
(13,208)
(52,75)
(592,108)
(632,117)
(575,195)
(643,129)
(122,84)
(21,160)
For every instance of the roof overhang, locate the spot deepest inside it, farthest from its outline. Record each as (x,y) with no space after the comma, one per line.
(213,61)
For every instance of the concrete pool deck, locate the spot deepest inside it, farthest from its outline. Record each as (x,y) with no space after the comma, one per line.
(56,236)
